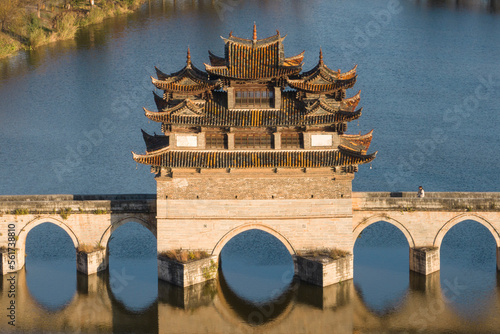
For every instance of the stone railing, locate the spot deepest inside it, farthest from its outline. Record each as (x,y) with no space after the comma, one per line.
(37,204)
(433,201)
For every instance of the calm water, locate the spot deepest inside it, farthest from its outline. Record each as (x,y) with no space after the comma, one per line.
(430,80)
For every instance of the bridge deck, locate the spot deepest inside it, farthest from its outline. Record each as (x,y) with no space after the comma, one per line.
(433,201)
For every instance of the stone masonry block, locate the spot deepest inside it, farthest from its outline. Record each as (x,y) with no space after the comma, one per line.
(424,260)
(325,271)
(91,263)
(187,274)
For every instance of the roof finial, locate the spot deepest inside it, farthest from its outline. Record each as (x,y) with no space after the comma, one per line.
(254,31)
(188,57)
(231,33)
(321,55)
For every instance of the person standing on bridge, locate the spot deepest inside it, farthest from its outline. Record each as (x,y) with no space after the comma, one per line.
(421,192)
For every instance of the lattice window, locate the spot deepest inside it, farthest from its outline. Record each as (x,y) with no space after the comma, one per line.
(254,98)
(253,141)
(215,141)
(291,140)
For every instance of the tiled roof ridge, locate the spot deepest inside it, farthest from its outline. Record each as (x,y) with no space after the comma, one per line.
(217,159)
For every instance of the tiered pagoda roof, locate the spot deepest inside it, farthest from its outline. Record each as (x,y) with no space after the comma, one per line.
(211,159)
(292,113)
(321,79)
(308,101)
(188,80)
(359,143)
(250,59)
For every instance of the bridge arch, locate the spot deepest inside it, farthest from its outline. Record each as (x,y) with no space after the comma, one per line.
(377,218)
(23,233)
(144,222)
(252,226)
(460,218)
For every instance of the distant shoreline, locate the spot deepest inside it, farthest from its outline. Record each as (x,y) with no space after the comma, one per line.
(30,27)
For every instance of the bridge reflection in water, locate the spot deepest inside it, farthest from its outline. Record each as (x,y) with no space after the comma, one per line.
(213,307)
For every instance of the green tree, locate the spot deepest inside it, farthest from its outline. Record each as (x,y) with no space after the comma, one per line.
(9,12)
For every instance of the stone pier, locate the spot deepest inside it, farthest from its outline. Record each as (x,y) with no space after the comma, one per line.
(424,260)
(91,263)
(187,274)
(324,271)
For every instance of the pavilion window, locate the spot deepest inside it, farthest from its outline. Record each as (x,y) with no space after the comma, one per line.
(254,98)
(215,141)
(291,140)
(253,141)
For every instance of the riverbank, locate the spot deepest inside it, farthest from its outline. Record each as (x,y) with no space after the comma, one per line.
(30,27)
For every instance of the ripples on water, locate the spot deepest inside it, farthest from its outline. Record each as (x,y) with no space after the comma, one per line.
(427,60)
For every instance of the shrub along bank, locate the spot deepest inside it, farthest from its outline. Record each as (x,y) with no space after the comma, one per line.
(28,24)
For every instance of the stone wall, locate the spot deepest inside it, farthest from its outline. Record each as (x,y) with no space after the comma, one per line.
(298,224)
(254,184)
(304,209)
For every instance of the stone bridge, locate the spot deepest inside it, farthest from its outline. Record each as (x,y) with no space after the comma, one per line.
(91,219)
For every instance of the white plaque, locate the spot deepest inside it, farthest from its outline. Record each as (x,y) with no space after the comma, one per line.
(321,140)
(187,141)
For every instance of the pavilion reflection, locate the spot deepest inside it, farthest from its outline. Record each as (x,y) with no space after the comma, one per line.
(300,307)
(213,307)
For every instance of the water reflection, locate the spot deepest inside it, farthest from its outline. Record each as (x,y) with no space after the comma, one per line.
(256,266)
(213,307)
(256,314)
(490,6)
(133,266)
(381,267)
(50,266)
(468,269)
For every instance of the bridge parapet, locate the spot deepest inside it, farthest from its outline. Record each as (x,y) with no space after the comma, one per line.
(433,201)
(48,204)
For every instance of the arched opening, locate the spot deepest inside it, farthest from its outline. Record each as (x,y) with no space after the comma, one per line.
(50,266)
(468,269)
(257,269)
(133,269)
(381,253)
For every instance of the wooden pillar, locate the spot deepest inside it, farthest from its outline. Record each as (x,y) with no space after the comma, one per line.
(230,98)
(277,97)
(277,140)
(230,141)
